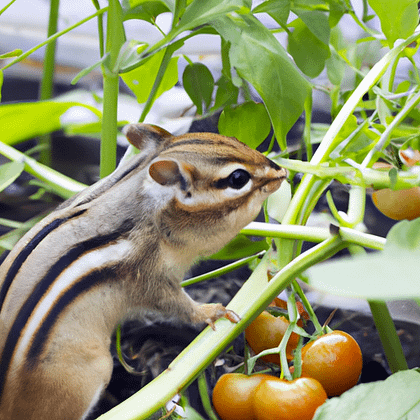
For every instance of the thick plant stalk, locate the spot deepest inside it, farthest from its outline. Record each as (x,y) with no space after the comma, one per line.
(62,185)
(114,41)
(47,82)
(389,337)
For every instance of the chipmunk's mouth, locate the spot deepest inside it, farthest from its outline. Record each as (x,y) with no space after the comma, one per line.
(272,185)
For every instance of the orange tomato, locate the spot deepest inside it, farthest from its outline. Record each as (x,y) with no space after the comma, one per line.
(398,205)
(266,332)
(232,395)
(335,360)
(277,399)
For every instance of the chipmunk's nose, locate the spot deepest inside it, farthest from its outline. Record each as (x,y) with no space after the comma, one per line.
(275,176)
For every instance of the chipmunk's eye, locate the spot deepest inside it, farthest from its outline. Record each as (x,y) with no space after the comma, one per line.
(238,179)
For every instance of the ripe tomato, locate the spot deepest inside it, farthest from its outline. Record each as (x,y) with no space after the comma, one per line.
(232,395)
(335,360)
(277,399)
(266,332)
(398,205)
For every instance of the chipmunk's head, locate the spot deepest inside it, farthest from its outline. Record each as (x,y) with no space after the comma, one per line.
(208,186)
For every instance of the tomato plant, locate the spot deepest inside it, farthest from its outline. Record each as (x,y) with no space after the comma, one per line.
(266,332)
(282,400)
(335,360)
(233,395)
(372,113)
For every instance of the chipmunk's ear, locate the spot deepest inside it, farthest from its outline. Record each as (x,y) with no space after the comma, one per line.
(146,136)
(165,172)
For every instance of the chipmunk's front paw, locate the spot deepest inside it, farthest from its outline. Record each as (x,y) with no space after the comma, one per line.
(211,312)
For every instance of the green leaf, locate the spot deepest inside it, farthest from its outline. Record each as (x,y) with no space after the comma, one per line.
(141,79)
(248,122)
(198,83)
(130,55)
(387,275)
(259,58)
(240,247)
(336,65)
(278,9)
(404,236)
(337,9)
(143,9)
(398,19)
(14,53)
(22,121)
(316,22)
(307,50)
(396,398)
(336,68)
(226,94)
(9,172)
(202,12)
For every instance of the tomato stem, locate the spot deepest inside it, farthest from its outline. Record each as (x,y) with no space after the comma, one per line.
(308,307)
(387,333)
(204,395)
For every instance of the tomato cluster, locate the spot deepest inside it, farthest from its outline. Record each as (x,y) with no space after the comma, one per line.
(331,364)
(263,397)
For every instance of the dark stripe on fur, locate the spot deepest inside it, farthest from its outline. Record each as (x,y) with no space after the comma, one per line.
(27,250)
(192,142)
(82,286)
(43,286)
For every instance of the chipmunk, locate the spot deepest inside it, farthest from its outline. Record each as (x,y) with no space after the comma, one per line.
(113,251)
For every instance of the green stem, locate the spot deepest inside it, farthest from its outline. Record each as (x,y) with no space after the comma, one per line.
(329,141)
(6,7)
(311,234)
(388,335)
(220,271)
(204,396)
(308,306)
(114,41)
(307,129)
(62,185)
(47,82)
(100,29)
(385,326)
(108,151)
(357,205)
(354,175)
(53,38)
(161,72)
